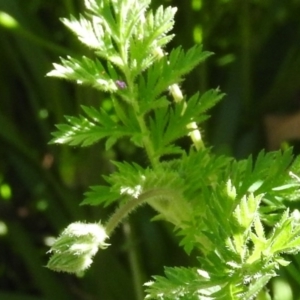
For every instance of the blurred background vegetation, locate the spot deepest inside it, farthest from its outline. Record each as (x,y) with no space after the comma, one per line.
(256,63)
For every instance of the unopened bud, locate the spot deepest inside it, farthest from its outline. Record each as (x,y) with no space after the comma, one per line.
(74,249)
(158,52)
(176,92)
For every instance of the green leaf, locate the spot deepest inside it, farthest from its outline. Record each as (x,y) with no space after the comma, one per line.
(170,124)
(179,284)
(149,35)
(268,174)
(259,229)
(246,211)
(130,17)
(103,10)
(83,131)
(85,71)
(169,70)
(93,34)
(100,195)
(255,288)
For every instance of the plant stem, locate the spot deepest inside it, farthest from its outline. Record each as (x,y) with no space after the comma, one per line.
(135,104)
(154,160)
(133,257)
(124,210)
(147,142)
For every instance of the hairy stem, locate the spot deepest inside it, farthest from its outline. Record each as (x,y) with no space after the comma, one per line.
(154,160)
(147,142)
(124,210)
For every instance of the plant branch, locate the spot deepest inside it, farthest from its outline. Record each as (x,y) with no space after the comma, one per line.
(124,210)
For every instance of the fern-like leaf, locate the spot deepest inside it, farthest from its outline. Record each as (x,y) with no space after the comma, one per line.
(85,131)
(86,71)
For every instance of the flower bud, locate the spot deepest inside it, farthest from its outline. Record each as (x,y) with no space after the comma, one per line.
(74,249)
(121,84)
(176,92)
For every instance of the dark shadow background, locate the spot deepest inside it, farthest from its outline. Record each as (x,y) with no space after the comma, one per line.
(256,63)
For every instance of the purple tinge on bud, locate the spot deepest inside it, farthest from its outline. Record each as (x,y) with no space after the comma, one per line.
(73,251)
(121,84)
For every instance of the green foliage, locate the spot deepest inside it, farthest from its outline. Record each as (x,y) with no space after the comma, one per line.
(220,207)
(87,131)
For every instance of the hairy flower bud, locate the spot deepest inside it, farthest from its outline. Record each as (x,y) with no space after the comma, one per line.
(176,92)
(74,249)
